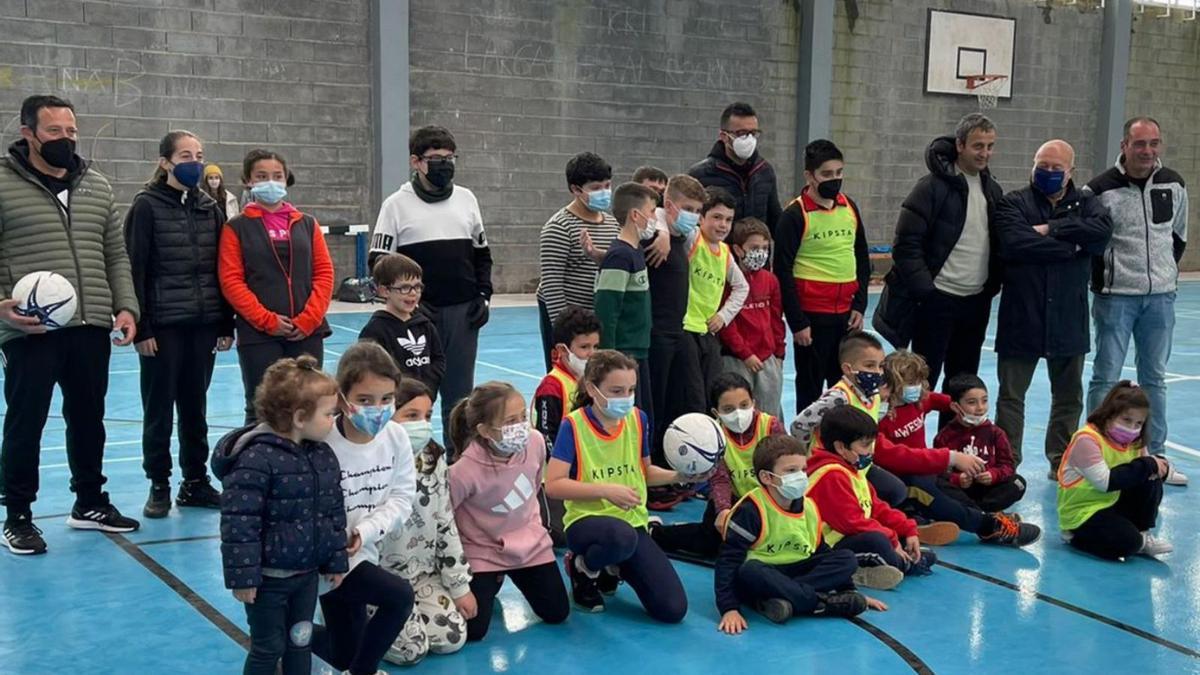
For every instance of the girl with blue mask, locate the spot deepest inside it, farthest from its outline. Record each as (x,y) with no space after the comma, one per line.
(600,467)
(377,484)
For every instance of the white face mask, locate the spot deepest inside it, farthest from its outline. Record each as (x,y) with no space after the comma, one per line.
(744,147)
(739,420)
(973,420)
(576,364)
(648,230)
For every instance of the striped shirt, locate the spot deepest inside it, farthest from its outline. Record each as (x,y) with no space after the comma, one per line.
(568,274)
(623,300)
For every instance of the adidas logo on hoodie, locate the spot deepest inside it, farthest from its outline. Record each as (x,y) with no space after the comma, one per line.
(416,347)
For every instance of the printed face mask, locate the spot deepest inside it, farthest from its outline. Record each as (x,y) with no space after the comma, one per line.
(371,419)
(756,260)
(513,438)
(868,382)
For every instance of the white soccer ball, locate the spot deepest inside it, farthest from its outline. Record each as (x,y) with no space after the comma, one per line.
(693,444)
(46,296)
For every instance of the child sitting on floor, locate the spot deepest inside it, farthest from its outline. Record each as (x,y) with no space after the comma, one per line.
(998,486)
(907,375)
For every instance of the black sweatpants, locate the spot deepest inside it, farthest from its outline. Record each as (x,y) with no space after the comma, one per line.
(349,640)
(542,586)
(281,626)
(460,343)
(887,486)
(872,549)
(798,583)
(817,366)
(255,358)
(926,497)
(668,375)
(690,541)
(949,333)
(546,328)
(76,359)
(990,498)
(604,541)
(1116,532)
(177,377)
(702,356)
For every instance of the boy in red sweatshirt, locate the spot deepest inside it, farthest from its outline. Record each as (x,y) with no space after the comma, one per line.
(907,374)
(997,487)
(855,517)
(755,342)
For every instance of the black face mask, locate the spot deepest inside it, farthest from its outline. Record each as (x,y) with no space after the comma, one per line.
(59,153)
(829,189)
(440,173)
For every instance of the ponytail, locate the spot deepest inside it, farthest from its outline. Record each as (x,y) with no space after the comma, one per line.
(599,365)
(483,405)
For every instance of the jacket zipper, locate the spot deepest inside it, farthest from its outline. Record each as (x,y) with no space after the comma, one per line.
(191,225)
(1146,220)
(63,211)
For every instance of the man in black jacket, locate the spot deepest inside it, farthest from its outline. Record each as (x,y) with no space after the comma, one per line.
(735,165)
(1047,233)
(944,258)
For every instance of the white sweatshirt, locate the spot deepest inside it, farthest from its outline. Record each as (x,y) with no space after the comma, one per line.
(378,484)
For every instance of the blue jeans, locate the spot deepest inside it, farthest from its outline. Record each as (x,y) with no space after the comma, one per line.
(1150,320)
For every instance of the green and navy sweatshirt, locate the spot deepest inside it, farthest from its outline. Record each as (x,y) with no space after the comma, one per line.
(623,300)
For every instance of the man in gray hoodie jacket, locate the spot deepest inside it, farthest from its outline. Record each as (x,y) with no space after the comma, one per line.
(1134,281)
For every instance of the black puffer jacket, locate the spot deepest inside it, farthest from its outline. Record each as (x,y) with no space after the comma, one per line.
(1044,306)
(931,221)
(282,506)
(172,239)
(753,184)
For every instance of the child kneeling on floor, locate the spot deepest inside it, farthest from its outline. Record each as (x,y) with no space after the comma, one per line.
(600,467)
(426,550)
(1109,489)
(494,491)
(773,557)
(283,522)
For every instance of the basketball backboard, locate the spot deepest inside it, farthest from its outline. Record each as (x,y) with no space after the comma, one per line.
(960,45)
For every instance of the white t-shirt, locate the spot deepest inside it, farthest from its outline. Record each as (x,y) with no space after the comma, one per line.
(378,485)
(966,269)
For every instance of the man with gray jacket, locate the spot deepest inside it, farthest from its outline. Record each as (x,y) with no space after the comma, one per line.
(1134,281)
(57,214)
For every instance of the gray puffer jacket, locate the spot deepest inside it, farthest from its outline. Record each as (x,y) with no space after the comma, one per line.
(1149,232)
(81,241)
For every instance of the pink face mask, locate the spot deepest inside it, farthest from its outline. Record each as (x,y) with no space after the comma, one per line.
(1123,435)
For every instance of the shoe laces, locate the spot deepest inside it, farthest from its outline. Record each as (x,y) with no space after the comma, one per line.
(1006,527)
(24,526)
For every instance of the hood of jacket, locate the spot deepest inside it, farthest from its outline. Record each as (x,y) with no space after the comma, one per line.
(19,153)
(822,457)
(232,443)
(940,157)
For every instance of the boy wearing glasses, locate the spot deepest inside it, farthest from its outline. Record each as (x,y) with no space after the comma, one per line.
(735,164)
(402,327)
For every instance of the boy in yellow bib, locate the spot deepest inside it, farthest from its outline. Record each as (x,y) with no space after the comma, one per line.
(773,557)
(1109,489)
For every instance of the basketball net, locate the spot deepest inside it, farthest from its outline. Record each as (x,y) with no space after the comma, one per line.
(987,89)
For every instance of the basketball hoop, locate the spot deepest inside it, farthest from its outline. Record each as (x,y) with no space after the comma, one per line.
(986,88)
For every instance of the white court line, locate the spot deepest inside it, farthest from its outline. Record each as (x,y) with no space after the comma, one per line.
(107,461)
(1183,448)
(509,370)
(133,371)
(348,330)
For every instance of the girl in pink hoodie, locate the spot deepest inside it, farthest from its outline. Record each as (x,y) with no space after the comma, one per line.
(494,492)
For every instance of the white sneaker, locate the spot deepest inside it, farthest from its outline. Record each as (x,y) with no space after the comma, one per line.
(1154,547)
(1176,477)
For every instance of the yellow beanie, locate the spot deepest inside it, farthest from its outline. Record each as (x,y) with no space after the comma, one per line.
(213,169)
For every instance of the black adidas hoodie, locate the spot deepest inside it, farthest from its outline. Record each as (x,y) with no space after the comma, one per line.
(413,344)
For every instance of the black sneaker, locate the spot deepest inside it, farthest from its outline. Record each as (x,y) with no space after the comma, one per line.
(1010,532)
(158,504)
(842,604)
(199,493)
(105,518)
(922,567)
(609,579)
(777,610)
(22,537)
(583,588)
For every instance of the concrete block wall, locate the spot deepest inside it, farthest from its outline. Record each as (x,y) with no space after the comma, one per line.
(1164,83)
(290,75)
(525,84)
(883,120)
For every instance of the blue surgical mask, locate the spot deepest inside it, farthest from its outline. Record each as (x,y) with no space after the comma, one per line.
(371,419)
(599,200)
(1049,182)
(420,432)
(793,485)
(268,192)
(686,222)
(617,407)
(913,392)
(868,383)
(188,173)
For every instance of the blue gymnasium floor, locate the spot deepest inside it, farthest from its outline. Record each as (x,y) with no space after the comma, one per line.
(153,601)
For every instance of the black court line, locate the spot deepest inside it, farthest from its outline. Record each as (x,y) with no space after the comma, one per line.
(48,516)
(182,590)
(1132,630)
(909,656)
(918,666)
(199,537)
